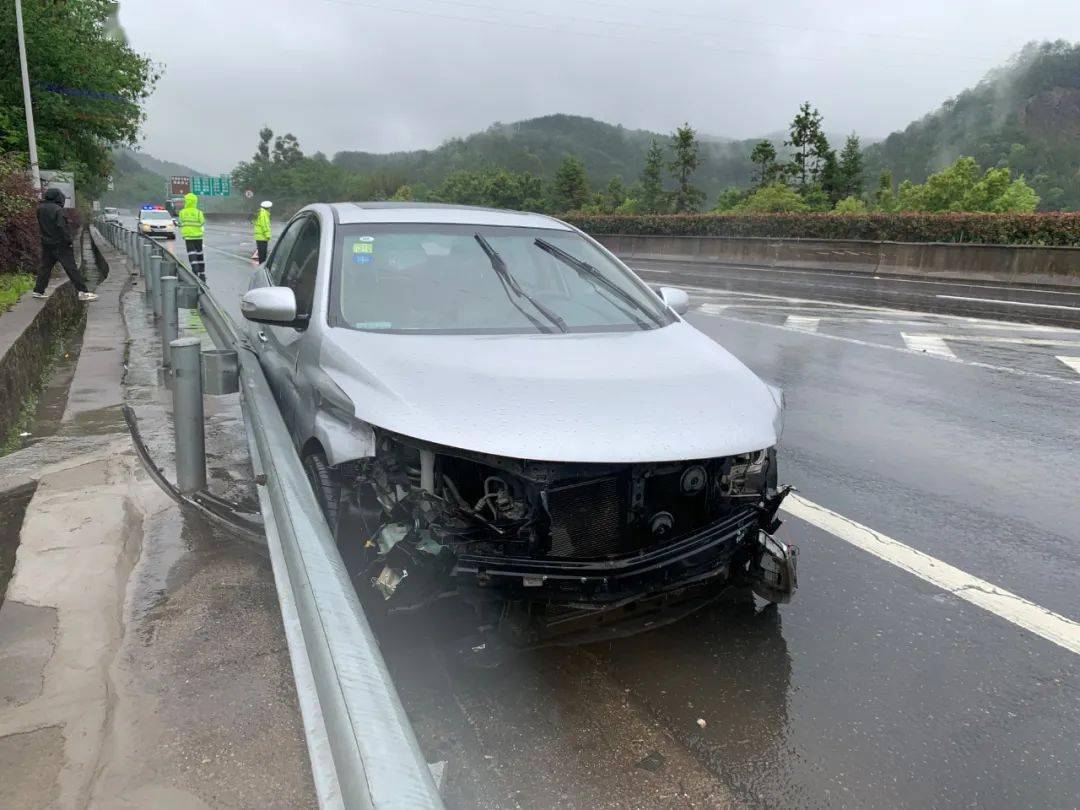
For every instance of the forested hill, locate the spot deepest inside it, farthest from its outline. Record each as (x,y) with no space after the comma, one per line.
(539,145)
(1025,115)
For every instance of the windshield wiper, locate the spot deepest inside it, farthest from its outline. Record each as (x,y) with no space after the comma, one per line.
(583,268)
(499,266)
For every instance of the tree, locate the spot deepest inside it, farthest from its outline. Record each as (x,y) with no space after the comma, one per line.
(262,151)
(851,167)
(88,87)
(884,197)
(684,144)
(764,155)
(286,150)
(653,199)
(850,205)
(964,187)
(571,185)
(831,182)
(810,147)
(615,195)
(730,198)
(777,198)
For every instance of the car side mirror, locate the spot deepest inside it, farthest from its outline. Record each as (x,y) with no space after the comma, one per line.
(677,300)
(272,305)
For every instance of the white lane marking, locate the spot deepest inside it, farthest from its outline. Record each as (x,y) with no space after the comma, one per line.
(792,271)
(902,349)
(1008,303)
(927,344)
(1071,362)
(1022,341)
(907,313)
(1038,620)
(801,323)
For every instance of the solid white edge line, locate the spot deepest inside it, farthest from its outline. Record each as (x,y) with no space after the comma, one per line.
(1008,303)
(1002,603)
(685,267)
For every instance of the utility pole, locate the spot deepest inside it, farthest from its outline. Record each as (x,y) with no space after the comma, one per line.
(35,173)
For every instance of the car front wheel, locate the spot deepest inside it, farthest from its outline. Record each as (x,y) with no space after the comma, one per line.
(324,484)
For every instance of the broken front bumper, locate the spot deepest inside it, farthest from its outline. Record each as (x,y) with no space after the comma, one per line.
(715,553)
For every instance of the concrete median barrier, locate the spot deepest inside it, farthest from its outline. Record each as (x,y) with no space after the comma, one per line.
(1055,266)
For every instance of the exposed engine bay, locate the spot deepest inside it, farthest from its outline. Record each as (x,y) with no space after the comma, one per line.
(546,549)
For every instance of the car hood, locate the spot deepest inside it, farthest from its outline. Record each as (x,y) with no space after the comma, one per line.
(658,395)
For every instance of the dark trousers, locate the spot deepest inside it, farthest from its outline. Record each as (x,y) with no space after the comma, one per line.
(261,247)
(195,256)
(50,255)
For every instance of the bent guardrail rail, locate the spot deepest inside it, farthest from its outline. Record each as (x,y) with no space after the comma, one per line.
(362,748)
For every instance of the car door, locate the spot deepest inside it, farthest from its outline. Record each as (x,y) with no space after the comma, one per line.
(263,337)
(298,274)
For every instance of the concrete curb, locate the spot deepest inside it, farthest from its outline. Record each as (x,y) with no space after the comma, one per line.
(26,333)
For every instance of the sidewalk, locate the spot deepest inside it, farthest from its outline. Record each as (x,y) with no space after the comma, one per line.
(142,659)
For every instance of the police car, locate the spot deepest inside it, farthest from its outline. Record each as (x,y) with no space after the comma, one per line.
(154,220)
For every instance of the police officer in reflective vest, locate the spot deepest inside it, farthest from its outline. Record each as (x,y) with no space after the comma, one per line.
(191,228)
(262,230)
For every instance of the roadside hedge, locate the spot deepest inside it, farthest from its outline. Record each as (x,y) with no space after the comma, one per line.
(1061,229)
(18,223)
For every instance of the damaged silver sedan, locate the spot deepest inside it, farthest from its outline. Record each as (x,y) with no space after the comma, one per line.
(495,412)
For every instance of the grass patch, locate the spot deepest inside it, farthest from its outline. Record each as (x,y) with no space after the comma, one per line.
(12,286)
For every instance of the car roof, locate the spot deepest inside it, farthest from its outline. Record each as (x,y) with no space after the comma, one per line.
(440,213)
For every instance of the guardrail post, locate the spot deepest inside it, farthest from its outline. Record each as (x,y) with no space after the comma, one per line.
(188,414)
(169,323)
(154,271)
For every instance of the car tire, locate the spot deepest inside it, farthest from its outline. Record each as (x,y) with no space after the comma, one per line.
(324,484)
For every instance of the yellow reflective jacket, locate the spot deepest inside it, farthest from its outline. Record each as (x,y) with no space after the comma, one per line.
(262,226)
(191,218)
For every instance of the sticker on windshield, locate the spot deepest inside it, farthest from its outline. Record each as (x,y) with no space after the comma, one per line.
(363,247)
(363,258)
(367,238)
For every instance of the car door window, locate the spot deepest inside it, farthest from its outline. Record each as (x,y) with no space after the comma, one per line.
(302,266)
(275,265)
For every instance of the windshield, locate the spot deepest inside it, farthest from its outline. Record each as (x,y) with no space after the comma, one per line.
(430,278)
(112,210)
(156,215)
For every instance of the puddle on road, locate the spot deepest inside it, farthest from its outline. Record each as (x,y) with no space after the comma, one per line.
(12,509)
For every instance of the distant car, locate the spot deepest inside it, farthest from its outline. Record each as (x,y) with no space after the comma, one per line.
(493,409)
(110,214)
(156,221)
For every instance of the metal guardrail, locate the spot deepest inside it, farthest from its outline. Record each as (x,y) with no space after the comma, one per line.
(362,748)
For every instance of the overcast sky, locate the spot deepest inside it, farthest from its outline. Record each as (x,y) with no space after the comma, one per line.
(385,75)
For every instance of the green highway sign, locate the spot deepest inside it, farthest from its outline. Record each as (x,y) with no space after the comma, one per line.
(212,186)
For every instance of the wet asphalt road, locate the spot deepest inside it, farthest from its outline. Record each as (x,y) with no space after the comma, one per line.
(957,436)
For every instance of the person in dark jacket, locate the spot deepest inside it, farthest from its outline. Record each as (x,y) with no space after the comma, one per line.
(56,245)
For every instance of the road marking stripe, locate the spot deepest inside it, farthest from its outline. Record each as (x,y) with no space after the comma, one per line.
(902,349)
(693,269)
(1053,627)
(1071,362)
(1023,341)
(801,323)
(927,344)
(1008,303)
(907,313)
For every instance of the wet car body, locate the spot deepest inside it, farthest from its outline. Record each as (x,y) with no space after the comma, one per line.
(492,408)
